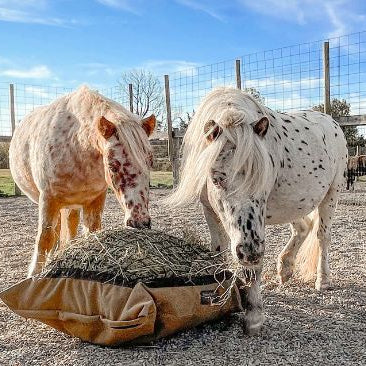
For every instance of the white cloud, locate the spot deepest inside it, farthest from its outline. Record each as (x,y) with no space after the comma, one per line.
(18,16)
(96,68)
(210,7)
(126,5)
(31,12)
(286,84)
(37,91)
(289,10)
(342,18)
(340,14)
(162,67)
(36,72)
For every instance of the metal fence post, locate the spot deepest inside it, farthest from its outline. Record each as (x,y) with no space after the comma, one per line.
(238,74)
(171,152)
(17,191)
(327,106)
(130,93)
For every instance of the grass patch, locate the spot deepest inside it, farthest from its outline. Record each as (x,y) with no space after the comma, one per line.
(161,179)
(6,183)
(158,179)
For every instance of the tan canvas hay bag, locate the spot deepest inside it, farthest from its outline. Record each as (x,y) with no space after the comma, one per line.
(128,285)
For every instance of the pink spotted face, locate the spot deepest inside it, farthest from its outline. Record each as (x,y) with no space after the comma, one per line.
(127,171)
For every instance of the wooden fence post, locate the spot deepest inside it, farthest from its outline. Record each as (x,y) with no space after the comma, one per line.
(130,93)
(327,106)
(17,191)
(238,74)
(171,150)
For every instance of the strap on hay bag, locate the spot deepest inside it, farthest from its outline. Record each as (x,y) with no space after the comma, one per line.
(137,292)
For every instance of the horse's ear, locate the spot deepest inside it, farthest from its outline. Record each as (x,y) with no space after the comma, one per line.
(106,128)
(148,124)
(212,130)
(261,127)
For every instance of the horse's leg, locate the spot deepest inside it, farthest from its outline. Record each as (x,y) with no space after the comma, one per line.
(58,226)
(286,259)
(326,214)
(92,213)
(254,317)
(70,219)
(48,216)
(219,238)
(73,220)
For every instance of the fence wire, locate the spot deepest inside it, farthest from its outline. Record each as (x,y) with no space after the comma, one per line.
(285,79)
(27,97)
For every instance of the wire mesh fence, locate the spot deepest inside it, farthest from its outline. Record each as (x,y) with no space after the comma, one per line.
(284,79)
(118,94)
(5,124)
(27,97)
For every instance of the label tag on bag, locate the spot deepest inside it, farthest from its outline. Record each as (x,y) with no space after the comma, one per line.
(209,297)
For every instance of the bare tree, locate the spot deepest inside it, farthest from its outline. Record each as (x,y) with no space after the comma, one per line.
(184,122)
(148,93)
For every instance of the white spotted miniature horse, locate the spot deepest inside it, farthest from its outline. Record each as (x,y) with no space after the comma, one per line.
(63,156)
(251,167)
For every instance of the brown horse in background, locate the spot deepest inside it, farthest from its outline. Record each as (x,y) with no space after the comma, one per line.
(65,155)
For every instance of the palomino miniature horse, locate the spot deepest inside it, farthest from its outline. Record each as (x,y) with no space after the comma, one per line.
(251,167)
(64,155)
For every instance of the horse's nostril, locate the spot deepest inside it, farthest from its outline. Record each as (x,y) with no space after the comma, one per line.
(240,252)
(253,258)
(131,223)
(139,224)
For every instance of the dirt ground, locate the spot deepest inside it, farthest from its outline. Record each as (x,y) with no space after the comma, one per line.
(302,327)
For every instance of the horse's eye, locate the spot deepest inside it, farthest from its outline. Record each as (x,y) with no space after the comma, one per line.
(114,166)
(219,179)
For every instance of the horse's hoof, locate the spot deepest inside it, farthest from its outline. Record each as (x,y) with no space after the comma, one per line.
(284,272)
(323,285)
(254,324)
(253,331)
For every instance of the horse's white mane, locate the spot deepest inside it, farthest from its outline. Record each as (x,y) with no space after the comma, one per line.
(89,105)
(235,112)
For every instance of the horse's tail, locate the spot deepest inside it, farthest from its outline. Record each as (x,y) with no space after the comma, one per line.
(64,227)
(308,254)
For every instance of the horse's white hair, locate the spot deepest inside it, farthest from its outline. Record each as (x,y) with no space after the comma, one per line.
(235,112)
(87,103)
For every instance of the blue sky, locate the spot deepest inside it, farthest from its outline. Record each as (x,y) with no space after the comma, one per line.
(68,42)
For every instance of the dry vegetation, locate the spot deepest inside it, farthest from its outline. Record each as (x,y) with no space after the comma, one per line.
(302,327)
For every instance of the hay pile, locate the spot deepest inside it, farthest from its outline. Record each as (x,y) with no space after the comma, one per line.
(124,257)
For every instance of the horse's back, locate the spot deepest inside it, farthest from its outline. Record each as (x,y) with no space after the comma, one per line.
(45,149)
(312,153)
(326,131)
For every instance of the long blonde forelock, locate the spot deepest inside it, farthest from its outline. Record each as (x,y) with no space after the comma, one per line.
(230,110)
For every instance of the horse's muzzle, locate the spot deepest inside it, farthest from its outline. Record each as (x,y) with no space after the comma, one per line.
(248,258)
(145,224)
